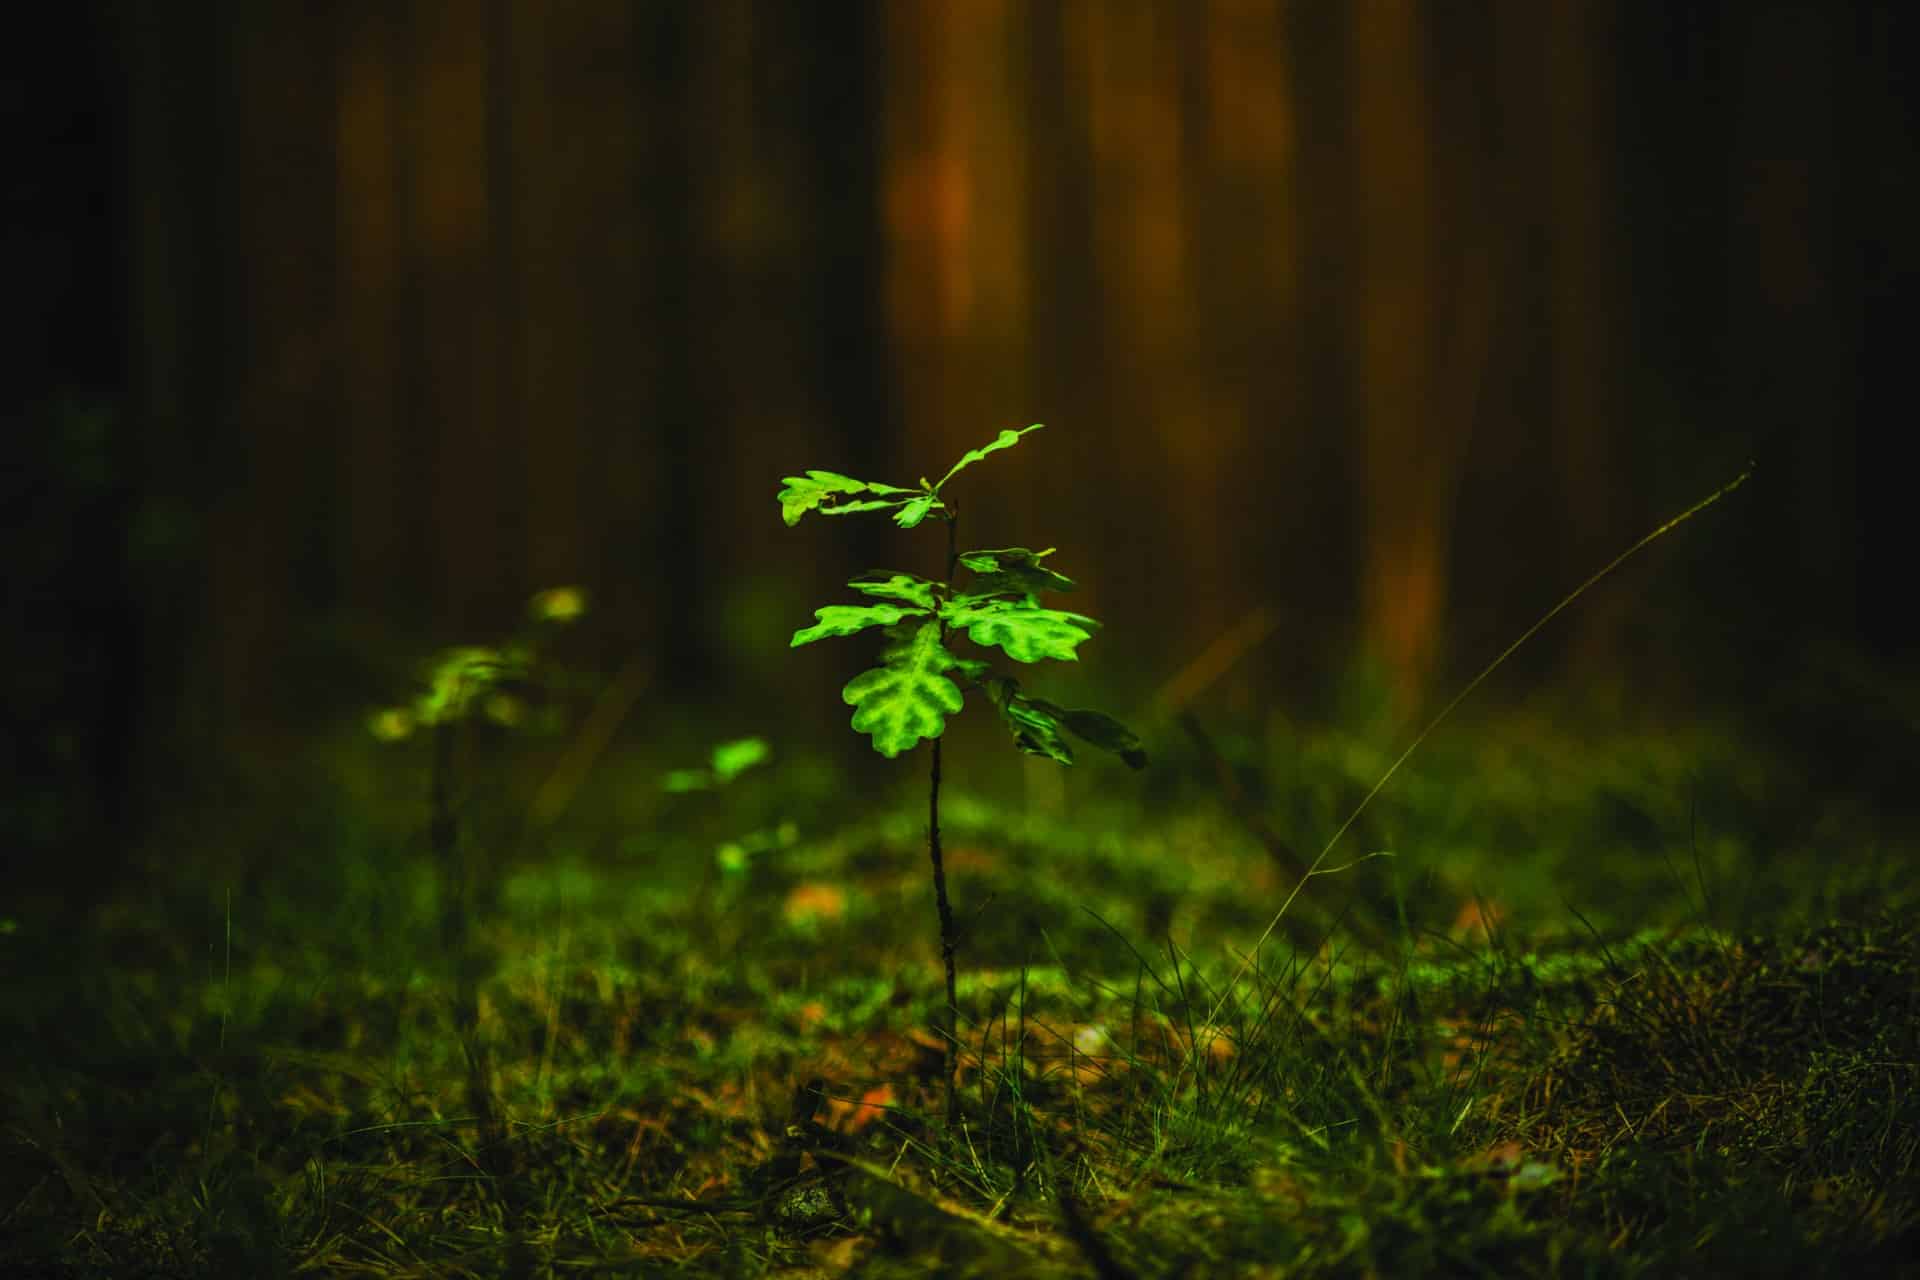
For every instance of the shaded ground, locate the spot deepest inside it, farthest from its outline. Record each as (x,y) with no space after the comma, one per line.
(1616,1004)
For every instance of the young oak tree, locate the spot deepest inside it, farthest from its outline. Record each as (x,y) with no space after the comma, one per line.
(920,681)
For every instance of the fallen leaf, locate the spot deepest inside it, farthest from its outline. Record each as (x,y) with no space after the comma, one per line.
(815,900)
(838,1256)
(1472,919)
(851,1117)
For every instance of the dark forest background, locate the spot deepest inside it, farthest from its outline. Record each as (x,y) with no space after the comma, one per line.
(1363,331)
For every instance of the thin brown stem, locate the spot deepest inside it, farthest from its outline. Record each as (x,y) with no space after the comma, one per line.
(458,875)
(443,834)
(950,1034)
(948,946)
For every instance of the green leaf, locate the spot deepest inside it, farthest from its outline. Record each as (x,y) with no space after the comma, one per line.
(972,668)
(901,637)
(908,698)
(896,586)
(1036,726)
(865,504)
(1006,439)
(803,493)
(914,512)
(1013,570)
(1035,731)
(559,605)
(1026,632)
(849,619)
(1101,730)
(460,676)
(817,490)
(995,560)
(731,759)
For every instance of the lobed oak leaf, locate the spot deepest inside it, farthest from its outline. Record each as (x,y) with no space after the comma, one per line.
(909,697)
(818,490)
(909,587)
(1026,632)
(1012,571)
(1006,439)
(912,513)
(849,619)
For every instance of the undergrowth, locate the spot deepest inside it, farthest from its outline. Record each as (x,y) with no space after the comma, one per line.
(1601,1014)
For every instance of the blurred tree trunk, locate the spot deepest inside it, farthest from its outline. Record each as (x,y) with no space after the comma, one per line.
(1407,450)
(452,239)
(1792,338)
(275,405)
(1597,515)
(1137,64)
(550,167)
(175,75)
(380,545)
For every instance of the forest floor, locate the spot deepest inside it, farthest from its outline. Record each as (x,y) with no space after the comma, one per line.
(1618,1003)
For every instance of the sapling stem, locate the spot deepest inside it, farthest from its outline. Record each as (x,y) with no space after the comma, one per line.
(949,946)
(950,1032)
(444,835)
(458,876)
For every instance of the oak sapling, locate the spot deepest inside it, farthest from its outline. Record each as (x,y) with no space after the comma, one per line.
(920,682)
(464,685)
(461,685)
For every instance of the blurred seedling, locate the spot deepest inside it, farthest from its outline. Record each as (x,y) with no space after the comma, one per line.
(514,686)
(501,684)
(495,683)
(920,681)
(729,760)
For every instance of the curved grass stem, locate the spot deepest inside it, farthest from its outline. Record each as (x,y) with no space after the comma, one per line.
(1315,868)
